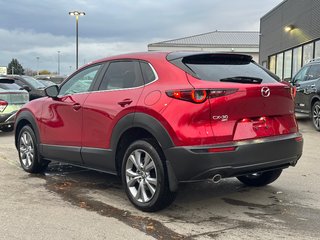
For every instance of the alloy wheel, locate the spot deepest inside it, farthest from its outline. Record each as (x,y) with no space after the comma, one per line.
(141,176)
(27,150)
(316,116)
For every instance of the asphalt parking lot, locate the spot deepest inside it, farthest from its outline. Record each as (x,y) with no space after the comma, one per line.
(73,203)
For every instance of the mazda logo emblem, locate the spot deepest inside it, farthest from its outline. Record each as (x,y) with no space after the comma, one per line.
(265,92)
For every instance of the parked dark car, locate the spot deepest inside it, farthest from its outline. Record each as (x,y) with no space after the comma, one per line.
(158,119)
(47,83)
(307,83)
(33,86)
(11,100)
(52,78)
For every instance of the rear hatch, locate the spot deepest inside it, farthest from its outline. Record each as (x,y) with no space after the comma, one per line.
(11,97)
(246,100)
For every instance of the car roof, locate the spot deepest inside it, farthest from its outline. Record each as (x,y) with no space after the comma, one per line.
(138,55)
(158,55)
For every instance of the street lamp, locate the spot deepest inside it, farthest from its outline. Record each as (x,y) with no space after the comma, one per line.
(58,62)
(77,14)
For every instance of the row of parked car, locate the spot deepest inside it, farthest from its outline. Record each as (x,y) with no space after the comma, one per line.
(16,90)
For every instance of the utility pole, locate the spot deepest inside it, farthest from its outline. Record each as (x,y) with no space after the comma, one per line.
(38,65)
(58,62)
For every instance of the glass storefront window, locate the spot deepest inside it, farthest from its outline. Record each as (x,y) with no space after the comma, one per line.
(307,53)
(317,49)
(287,64)
(272,64)
(279,68)
(296,60)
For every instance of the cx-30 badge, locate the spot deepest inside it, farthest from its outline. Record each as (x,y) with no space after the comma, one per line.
(222,118)
(265,92)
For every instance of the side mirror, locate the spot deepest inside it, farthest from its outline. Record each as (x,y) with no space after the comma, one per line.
(25,87)
(52,91)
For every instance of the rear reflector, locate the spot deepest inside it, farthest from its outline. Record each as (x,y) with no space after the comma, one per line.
(222,149)
(299,139)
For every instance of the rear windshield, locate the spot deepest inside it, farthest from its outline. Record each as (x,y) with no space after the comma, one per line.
(9,86)
(225,68)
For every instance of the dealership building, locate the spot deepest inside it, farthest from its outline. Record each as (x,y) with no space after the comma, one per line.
(290,36)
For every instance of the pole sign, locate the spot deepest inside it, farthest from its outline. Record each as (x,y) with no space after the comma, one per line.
(3,70)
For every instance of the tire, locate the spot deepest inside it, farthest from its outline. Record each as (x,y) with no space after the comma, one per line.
(144,176)
(315,111)
(260,179)
(28,151)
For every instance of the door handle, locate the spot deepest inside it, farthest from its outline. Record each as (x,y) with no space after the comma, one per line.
(125,102)
(76,106)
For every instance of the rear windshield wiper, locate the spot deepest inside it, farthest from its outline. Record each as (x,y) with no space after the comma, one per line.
(242,79)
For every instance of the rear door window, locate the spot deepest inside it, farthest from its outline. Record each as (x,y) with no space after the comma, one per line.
(122,75)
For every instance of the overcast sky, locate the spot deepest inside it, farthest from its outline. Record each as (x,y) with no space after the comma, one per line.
(40,28)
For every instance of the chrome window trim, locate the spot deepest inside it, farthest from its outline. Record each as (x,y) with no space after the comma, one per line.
(154,72)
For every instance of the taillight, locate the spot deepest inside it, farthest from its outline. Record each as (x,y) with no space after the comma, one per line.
(3,105)
(213,93)
(199,95)
(293,91)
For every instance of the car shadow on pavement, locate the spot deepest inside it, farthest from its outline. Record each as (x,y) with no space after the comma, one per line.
(227,203)
(5,134)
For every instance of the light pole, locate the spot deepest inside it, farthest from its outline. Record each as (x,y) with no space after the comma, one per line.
(58,62)
(77,14)
(38,65)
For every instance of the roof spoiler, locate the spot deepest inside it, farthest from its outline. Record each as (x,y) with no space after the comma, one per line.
(196,56)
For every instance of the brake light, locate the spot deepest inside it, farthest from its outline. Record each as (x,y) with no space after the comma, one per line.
(196,96)
(293,91)
(3,105)
(199,95)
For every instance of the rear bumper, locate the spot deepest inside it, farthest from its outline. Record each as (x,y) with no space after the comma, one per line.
(196,163)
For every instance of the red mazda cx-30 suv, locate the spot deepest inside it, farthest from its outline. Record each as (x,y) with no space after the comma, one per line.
(157,119)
